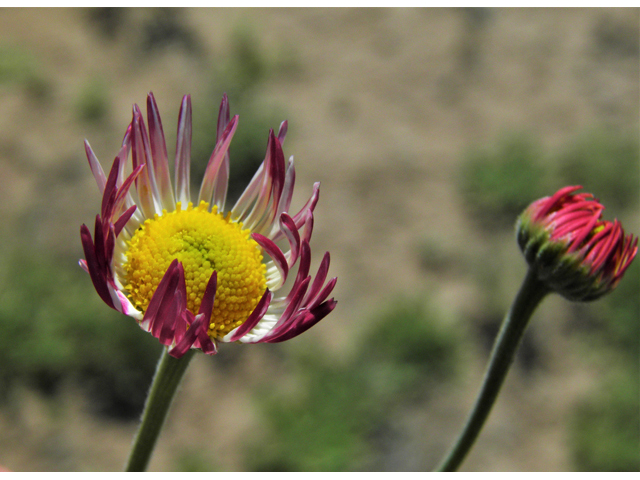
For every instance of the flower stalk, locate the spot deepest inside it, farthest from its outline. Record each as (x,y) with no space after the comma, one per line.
(513,327)
(166,380)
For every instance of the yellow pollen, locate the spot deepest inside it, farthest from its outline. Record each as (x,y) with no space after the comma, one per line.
(202,241)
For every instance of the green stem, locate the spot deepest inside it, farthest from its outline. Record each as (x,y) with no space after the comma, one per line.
(530,295)
(166,380)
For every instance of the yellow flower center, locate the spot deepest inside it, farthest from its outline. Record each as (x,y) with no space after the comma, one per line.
(202,241)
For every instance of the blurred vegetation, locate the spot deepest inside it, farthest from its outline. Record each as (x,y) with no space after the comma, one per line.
(20,68)
(107,20)
(335,421)
(606,425)
(93,101)
(606,428)
(194,461)
(241,75)
(606,163)
(614,38)
(56,329)
(166,27)
(154,30)
(498,182)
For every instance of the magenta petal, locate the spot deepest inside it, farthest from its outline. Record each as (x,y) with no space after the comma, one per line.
(324,293)
(110,190)
(223,117)
(217,158)
(95,167)
(629,251)
(258,215)
(186,342)
(550,203)
(183,152)
(308,320)
(204,342)
(83,265)
(301,217)
(277,170)
(206,306)
(287,190)
(99,244)
(140,154)
(221,184)
(123,191)
(169,317)
(151,314)
(95,272)
(196,336)
(308,228)
(109,244)
(288,226)
(282,131)
(296,300)
(303,268)
(183,321)
(323,269)
(122,221)
(583,234)
(292,314)
(274,252)
(254,318)
(159,154)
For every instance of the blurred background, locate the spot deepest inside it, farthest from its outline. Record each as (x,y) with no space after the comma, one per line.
(430,131)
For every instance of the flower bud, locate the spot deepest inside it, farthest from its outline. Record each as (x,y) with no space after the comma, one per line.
(572,249)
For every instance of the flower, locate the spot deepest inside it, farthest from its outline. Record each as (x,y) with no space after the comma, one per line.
(573,250)
(193,275)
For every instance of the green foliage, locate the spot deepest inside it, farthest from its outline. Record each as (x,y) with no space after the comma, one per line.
(498,183)
(192,460)
(332,423)
(622,314)
(407,348)
(55,328)
(324,429)
(606,163)
(606,426)
(93,102)
(19,67)
(612,323)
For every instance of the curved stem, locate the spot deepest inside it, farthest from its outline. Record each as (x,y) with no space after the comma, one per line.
(514,324)
(166,380)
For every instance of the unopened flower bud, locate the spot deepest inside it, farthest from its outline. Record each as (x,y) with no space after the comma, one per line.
(572,249)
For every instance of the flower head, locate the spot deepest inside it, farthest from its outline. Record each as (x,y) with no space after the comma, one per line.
(194,274)
(573,250)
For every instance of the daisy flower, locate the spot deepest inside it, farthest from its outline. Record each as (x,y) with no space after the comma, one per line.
(194,273)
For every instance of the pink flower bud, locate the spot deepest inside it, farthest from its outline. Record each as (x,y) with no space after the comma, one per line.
(573,250)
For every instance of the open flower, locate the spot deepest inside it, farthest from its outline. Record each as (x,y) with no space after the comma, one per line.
(573,250)
(195,274)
